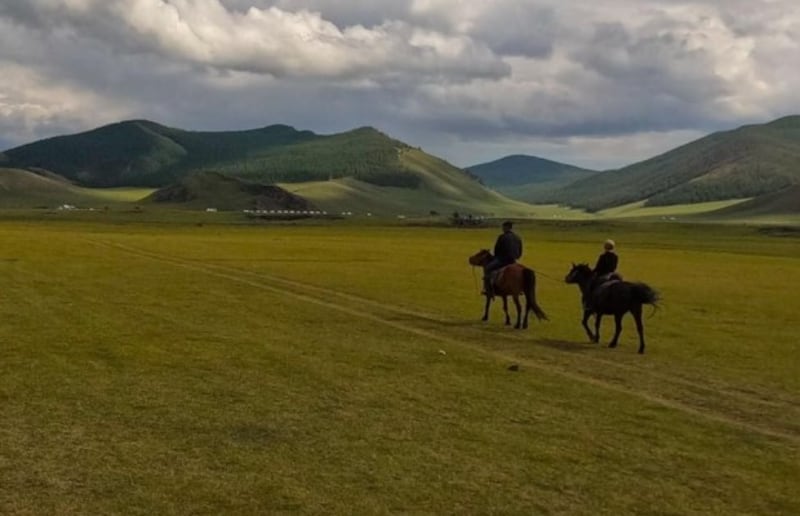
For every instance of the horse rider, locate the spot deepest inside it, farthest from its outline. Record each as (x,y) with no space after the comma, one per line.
(606,266)
(507,250)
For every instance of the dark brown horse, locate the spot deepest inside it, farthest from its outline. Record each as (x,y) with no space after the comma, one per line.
(512,280)
(614,297)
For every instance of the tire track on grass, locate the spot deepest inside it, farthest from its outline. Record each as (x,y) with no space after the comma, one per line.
(717,388)
(433,318)
(258,281)
(714,388)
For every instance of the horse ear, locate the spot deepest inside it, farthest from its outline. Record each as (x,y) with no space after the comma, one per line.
(573,265)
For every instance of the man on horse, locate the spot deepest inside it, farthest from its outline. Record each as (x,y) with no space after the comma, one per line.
(507,250)
(604,270)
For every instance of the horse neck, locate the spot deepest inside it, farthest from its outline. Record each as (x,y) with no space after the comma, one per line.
(583,283)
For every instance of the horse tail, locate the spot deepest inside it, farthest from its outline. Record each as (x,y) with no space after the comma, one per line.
(529,284)
(643,293)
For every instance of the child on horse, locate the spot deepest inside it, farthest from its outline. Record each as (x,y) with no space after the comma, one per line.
(604,270)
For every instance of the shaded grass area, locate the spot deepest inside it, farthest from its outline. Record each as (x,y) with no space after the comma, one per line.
(184,369)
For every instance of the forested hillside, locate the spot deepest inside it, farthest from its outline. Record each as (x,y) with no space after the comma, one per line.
(528,178)
(746,162)
(143,153)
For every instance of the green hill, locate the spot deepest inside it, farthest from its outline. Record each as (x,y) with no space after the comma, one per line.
(783,202)
(143,153)
(364,154)
(214,190)
(746,162)
(439,187)
(41,189)
(527,178)
(26,189)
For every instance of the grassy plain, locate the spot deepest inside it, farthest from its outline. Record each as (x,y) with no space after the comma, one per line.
(117,195)
(639,209)
(174,367)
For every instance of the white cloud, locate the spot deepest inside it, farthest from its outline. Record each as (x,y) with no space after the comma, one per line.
(460,78)
(267,40)
(31,106)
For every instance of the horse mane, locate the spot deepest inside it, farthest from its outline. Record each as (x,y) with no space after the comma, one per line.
(487,252)
(479,253)
(582,266)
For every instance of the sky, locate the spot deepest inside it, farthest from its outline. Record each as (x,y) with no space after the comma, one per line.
(597,84)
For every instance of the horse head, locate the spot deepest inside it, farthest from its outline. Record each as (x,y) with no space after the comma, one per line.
(480,258)
(578,273)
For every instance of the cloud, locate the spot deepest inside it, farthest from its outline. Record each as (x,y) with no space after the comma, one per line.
(460,78)
(665,68)
(31,106)
(264,40)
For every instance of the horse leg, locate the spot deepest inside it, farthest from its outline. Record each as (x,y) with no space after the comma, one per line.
(617,329)
(585,323)
(528,308)
(519,312)
(598,317)
(637,316)
(505,310)
(486,308)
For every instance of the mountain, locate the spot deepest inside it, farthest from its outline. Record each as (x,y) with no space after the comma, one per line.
(783,202)
(26,189)
(750,161)
(362,167)
(144,153)
(439,187)
(215,190)
(527,178)
(521,171)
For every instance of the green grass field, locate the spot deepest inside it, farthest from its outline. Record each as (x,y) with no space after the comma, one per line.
(117,195)
(638,209)
(180,368)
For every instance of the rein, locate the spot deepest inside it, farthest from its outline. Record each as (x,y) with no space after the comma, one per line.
(475,278)
(540,273)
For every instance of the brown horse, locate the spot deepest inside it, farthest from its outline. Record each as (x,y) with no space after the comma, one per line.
(512,280)
(614,297)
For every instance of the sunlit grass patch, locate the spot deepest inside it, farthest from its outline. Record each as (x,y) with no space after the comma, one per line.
(122,194)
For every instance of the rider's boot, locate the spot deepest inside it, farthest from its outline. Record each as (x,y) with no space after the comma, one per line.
(487,287)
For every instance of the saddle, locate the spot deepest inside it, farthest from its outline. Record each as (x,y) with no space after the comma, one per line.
(598,285)
(605,279)
(496,275)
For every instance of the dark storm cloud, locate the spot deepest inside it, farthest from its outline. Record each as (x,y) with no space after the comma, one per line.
(517,29)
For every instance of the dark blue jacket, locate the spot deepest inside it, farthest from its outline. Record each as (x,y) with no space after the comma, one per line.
(508,248)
